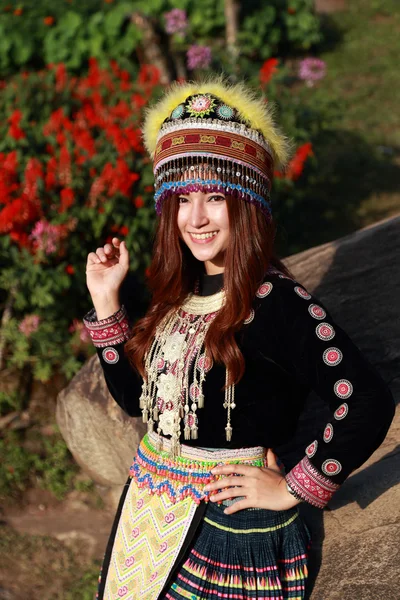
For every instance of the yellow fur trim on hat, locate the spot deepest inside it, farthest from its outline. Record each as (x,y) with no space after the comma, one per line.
(251,108)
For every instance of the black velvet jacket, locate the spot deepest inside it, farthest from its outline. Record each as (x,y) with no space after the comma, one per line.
(291,345)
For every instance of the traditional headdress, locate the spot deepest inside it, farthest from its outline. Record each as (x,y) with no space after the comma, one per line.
(217,137)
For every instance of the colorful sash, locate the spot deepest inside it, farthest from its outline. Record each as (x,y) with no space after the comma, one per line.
(159,507)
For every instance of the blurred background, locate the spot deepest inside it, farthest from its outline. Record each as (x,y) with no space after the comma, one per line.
(75,77)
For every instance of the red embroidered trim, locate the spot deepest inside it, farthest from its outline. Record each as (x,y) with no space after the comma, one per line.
(219,143)
(108,332)
(310,484)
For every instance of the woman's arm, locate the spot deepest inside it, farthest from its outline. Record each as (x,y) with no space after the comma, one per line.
(319,353)
(109,336)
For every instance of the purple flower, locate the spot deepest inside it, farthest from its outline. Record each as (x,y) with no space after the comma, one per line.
(175,21)
(198,57)
(312,69)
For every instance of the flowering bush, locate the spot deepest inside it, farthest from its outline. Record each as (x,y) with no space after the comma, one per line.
(72,174)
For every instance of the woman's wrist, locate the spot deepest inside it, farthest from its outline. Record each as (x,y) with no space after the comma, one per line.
(106,307)
(293,493)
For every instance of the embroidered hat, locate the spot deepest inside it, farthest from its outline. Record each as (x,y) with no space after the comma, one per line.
(214,136)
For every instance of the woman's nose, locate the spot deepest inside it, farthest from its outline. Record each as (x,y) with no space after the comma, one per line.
(198,215)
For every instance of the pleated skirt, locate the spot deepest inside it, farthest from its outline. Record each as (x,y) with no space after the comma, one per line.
(249,554)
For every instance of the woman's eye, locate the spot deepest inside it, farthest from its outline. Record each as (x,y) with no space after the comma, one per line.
(182,200)
(217,198)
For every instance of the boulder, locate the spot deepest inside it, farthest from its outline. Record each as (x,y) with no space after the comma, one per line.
(101,437)
(355,540)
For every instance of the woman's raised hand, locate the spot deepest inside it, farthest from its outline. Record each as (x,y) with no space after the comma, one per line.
(105,271)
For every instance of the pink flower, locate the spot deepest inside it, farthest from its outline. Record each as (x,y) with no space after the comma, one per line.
(29,324)
(175,21)
(198,57)
(45,236)
(78,326)
(312,69)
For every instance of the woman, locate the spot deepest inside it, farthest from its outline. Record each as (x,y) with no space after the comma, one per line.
(220,367)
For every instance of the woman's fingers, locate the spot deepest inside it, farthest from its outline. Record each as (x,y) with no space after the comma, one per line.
(123,255)
(226,494)
(226,482)
(93,259)
(230,469)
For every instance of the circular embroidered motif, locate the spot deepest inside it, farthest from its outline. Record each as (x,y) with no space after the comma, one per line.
(325,331)
(160,364)
(331,466)
(110,355)
(312,448)
(225,112)
(200,106)
(341,412)
(264,289)
(194,391)
(178,111)
(249,318)
(332,356)
(316,311)
(302,292)
(328,433)
(343,388)
(204,363)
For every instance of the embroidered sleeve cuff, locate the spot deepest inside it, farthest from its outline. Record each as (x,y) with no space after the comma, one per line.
(310,484)
(107,332)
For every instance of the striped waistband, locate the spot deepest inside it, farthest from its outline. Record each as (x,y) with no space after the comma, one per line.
(187,474)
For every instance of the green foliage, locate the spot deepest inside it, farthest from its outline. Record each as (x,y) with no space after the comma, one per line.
(35,460)
(10,401)
(48,32)
(39,33)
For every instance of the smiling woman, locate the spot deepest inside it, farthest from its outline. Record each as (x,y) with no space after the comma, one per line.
(220,367)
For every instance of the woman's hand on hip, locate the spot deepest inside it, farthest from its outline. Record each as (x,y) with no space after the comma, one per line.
(261,487)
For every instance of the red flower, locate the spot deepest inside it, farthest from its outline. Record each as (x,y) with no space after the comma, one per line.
(138,202)
(124,230)
(149,76)
(48,20)
(14,130)
(267,70)
(51,174)
(18,12)
(18,213)
(67,199)
(61,77)
(149,188)
(69,269)
(296,165)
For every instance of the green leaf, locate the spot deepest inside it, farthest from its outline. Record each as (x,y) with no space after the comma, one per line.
(21,49)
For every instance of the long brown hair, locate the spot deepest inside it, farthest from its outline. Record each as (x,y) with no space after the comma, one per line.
(174,270)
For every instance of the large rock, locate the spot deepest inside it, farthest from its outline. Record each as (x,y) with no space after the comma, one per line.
(355,542)
(101,437)
(358,279)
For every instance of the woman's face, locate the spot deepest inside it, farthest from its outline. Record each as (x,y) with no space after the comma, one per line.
(204,227)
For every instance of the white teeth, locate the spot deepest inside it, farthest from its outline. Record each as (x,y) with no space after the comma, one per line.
(203,236)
